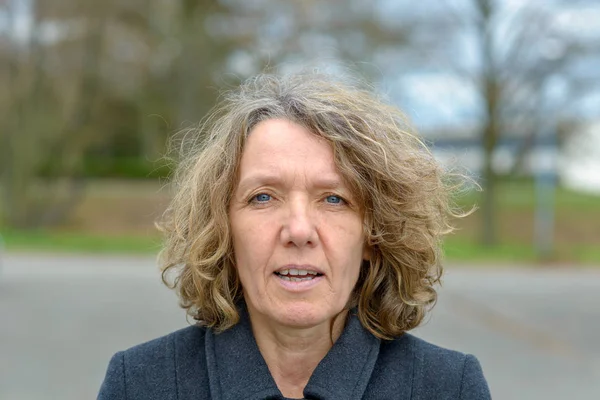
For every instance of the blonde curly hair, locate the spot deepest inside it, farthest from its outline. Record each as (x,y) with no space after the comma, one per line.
(405,196)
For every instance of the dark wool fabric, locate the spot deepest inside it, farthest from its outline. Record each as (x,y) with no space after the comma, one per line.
(196,364)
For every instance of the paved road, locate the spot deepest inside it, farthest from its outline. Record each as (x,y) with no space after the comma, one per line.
(536,333)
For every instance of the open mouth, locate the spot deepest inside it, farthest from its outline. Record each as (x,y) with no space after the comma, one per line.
(297,275)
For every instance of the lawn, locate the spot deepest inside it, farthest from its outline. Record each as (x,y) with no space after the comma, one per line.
(576,235)
(118,218)
(83,242)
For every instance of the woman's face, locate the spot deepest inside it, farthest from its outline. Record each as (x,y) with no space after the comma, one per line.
(297,231)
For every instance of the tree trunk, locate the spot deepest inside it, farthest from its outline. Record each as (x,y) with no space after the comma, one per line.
(490,131)
(488,206)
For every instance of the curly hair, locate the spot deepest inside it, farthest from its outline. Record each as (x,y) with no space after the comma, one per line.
(406,198)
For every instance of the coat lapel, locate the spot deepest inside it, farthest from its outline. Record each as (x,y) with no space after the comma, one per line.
(237,370)
(345,371)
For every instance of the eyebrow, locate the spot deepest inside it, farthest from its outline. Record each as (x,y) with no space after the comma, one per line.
(258,179)
(261,178)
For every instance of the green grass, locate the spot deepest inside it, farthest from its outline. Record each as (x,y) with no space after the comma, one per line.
(577,231)
(79,242)
(458,248)
(586,254)
(521,194)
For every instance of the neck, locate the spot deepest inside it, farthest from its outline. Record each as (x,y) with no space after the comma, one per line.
(292,354)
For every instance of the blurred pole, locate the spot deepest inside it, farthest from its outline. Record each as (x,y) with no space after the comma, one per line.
(546,172)
(1,255)
(545,188)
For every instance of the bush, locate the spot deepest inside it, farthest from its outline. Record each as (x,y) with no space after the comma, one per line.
(124,167)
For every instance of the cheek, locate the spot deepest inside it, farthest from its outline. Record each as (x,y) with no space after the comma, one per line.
(348,242)
(355,264)
(252,244)
(357,251)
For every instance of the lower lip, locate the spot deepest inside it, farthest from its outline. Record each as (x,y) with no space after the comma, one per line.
(297,286)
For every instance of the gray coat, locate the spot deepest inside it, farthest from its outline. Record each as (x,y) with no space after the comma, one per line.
(194,363)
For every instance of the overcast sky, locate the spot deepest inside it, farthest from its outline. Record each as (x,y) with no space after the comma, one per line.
(432,97)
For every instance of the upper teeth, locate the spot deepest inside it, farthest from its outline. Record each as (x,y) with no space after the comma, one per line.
(294,271)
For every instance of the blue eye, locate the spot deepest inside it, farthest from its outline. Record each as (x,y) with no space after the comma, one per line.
(333,199)
(262,197)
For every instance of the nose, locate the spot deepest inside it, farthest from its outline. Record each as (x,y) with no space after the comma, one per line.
(299,228)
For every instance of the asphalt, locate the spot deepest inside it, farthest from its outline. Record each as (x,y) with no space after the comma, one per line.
(535,331)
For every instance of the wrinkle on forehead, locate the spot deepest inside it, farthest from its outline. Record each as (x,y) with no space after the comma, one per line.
(268,178)
(274,158)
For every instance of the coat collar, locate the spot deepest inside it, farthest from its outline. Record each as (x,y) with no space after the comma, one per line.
(237,370)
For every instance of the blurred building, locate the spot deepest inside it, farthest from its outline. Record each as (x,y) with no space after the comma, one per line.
(579,165)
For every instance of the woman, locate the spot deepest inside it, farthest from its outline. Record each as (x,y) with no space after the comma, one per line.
(304,237)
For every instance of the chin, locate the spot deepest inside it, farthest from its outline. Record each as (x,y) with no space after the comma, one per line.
(304,315)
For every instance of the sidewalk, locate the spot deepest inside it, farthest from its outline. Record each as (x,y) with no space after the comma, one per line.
(535,331)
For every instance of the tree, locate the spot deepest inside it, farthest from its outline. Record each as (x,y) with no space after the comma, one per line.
(516,52)
(78,66)
(301,33)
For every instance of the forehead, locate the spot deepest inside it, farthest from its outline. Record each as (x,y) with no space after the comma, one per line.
(281,136)
(275,147)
